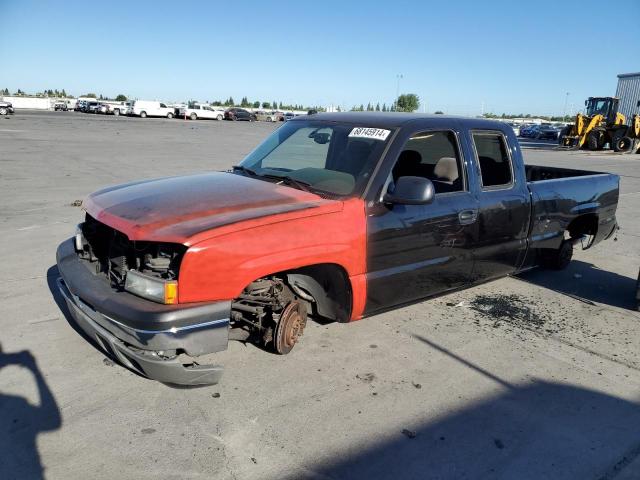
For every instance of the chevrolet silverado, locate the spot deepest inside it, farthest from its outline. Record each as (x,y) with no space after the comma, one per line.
(333,217)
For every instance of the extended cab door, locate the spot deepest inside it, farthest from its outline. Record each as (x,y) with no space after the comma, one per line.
(415,251)
(504,205)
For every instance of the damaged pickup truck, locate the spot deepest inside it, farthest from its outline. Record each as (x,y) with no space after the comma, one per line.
(333,217)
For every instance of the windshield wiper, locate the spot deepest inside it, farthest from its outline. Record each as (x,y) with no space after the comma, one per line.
(292,182)
(240,168)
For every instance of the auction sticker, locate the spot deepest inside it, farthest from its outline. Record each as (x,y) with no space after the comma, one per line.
(374,133)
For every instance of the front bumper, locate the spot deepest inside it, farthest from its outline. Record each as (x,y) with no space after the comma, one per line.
(143,335)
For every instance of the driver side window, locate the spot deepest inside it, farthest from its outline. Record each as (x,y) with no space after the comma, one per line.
(435,156)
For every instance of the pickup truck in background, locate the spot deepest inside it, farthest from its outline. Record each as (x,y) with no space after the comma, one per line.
(333,217)
(197,111)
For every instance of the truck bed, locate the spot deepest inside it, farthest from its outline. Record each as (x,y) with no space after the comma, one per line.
(561,195)
(537,173)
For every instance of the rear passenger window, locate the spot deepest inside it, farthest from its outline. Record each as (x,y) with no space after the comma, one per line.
(432,155)
(493,157)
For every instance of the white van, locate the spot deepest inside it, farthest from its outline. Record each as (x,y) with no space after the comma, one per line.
(144,108)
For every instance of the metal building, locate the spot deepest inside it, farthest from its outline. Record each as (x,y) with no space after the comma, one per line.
(628,92)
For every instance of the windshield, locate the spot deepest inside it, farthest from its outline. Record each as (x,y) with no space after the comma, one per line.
(321,156)
(598,107)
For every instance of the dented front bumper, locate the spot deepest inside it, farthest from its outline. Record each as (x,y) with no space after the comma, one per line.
(142,335)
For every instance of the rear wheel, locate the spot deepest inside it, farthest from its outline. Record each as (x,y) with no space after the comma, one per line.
(116,112)
(193,116)
(169,115)
(219,117)
(557,259)
(622,144)
(143,114)
(3,111)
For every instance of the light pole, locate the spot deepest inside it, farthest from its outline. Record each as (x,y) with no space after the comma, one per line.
(566,102)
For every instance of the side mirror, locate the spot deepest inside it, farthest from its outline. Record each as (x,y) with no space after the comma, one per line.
(411,191)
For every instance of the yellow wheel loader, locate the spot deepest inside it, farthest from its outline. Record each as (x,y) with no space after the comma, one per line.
(601,124)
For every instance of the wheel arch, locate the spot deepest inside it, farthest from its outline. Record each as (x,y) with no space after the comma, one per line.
(584,224)
(325,286)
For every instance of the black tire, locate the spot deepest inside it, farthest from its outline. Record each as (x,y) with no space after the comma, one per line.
(169,115)
(3,111)
(622,144)
(638,293)
(193,116)
(557,259)
(219,117)
(143,114)
(593,140)
(116,112)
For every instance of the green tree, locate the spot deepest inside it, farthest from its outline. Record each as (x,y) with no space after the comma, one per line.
(378,107)
(439,112)
(64,94)
(256,104)
(384,107)
(121,98)
(408,102)
(90,95)
(280,107)
(266,105)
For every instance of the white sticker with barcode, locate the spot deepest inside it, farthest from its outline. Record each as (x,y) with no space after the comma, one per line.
(374,133)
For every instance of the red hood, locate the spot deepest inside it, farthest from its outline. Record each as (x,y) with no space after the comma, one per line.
(175,209)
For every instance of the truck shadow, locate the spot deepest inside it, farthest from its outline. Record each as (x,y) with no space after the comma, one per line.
(21,422)
(538,430)
(588,282)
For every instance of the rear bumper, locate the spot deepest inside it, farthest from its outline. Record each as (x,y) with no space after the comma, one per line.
(142,335)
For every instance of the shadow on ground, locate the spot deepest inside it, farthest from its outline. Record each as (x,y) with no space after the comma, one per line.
(536,431)
(21,422)
(587,281)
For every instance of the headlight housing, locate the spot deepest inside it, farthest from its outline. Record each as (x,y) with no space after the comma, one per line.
(151,288)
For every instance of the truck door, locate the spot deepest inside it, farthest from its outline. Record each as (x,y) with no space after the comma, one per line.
(415,251)
(504,207)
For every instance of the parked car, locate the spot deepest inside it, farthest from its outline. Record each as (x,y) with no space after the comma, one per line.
(145,108)
(6,108)
(60,107)
(547,132)
(268,116)
(334,217)
(91,107)
(102,108)
(288,116)
(529,131)
(121,108)
(197,111)
(239,114)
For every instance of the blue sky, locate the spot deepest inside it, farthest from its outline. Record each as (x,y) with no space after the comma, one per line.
(510,56)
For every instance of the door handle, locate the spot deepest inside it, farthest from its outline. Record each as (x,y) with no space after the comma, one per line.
(467,217)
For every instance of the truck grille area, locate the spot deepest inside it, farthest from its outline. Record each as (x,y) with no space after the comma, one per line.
(110,253)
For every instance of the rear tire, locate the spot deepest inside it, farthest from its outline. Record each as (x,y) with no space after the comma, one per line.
(193,116)
(557,259)
(622,144)
(169,115)
(143,114)
(116,112)
(220,117)
(3,111)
